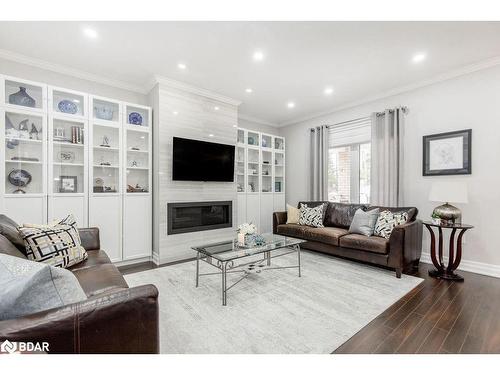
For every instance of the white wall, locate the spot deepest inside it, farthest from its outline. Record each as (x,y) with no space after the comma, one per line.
(32,73)
(470,101)
(258,126)
(195,118)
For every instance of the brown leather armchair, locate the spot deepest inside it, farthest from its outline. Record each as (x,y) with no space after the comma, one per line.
(113,319)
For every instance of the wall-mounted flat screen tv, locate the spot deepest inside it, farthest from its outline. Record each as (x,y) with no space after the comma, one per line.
(202,161)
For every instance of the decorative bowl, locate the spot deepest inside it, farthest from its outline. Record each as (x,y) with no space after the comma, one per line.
(19,177)
(104,113)
(135,118)
(67,106)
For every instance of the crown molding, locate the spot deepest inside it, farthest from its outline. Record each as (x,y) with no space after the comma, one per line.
(242,116)
(172,83)
(62,69)
(485,64)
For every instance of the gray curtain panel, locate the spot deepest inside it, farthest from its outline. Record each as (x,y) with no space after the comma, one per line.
(387,158)
(318,168)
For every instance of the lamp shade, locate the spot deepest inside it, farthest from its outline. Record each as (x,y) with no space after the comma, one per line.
(448,191)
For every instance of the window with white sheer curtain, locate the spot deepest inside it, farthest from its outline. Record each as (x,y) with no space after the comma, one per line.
(349,161)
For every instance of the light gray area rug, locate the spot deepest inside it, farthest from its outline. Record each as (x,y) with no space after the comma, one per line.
(274,311)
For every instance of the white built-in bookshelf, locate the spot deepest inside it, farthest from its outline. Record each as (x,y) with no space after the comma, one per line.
(66,152)
(260,177)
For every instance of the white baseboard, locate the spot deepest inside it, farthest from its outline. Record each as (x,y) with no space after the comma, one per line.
(469,266)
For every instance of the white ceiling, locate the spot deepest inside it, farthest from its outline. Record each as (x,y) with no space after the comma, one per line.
(358,59)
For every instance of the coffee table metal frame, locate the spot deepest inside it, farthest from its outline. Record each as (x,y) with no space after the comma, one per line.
(227,266)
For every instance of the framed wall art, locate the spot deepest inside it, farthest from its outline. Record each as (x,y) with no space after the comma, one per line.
(447,153)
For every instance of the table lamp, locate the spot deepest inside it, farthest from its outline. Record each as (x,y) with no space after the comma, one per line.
(448,191)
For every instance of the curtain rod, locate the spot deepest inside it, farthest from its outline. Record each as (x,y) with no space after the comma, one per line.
(404,109)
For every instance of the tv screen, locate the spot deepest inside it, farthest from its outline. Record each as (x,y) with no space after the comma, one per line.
(202,161)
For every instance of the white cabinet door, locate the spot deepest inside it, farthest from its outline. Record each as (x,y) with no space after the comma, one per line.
(279,202)
(253,209)
(26,209)
(266,213)
(105,213)
(242,209)
(60,207)
(137,226)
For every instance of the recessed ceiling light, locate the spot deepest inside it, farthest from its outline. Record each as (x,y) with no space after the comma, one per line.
(235,126)
(182,66)
(210,135)
(328,91)
(290,105)
(91,33)
(175,113)
(419,57)
(249,90)
(258,55)
(216,108)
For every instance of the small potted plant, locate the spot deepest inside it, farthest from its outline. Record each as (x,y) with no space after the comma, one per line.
(435,219)
(244,230)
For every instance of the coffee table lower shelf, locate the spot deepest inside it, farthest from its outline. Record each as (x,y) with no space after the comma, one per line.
(255,266)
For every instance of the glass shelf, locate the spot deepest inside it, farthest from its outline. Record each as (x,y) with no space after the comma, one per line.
(24,153)
(279,143)
(253,139)
(68,103)
(267,141)
(241,136)
(137,162)
(104,110)
(136,116)
(24,94)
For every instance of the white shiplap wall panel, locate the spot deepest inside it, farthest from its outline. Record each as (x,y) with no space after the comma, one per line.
(186,115)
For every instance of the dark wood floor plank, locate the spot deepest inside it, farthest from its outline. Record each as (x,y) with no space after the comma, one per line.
(433,342)
(429,290)
(433,312)
(460,328)
(399,334)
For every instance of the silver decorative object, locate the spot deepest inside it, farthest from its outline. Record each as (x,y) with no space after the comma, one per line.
(448,213)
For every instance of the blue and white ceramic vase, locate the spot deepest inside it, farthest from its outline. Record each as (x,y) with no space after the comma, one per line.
(22,98)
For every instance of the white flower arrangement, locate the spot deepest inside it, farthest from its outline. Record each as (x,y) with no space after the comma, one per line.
(247,228)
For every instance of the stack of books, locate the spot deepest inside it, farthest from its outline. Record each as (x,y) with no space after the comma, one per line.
(76,134)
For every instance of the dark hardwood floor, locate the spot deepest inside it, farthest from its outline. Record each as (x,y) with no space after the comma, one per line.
(436,317)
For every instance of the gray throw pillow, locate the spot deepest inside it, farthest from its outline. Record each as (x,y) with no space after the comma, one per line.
(27,287)
(364,222)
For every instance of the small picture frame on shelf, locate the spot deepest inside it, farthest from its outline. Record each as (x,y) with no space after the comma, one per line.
(68,184)
(277,186)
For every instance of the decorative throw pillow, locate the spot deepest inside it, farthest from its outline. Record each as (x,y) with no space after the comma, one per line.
(364,222)
(292,214)
(57,244)
(28,287)
(386,222)
(311,216)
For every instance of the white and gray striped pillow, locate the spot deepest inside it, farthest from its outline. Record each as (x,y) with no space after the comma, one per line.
(311,216)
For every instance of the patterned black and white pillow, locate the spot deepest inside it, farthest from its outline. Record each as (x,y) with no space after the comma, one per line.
(311,216)
(57,244)
(387,221)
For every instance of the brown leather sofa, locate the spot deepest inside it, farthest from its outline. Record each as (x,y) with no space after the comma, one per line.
(400,252)
(113,319)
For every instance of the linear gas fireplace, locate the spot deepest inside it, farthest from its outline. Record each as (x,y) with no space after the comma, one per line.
(188,217)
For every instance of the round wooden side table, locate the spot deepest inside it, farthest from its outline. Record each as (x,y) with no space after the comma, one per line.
(442,271)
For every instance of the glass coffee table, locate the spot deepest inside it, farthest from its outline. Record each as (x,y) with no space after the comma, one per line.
(225,256)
